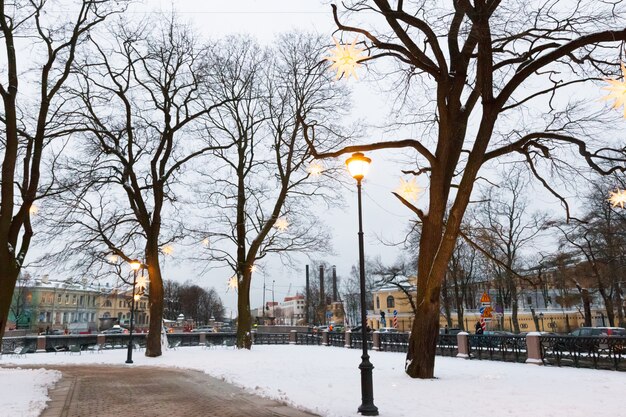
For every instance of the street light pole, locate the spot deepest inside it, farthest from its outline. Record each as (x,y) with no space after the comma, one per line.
(129,357)
(358,165)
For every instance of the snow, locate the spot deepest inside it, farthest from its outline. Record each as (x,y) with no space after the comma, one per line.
(326,380)
(24,392)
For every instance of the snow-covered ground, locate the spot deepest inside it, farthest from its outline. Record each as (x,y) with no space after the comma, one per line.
(326,380)
(24,392)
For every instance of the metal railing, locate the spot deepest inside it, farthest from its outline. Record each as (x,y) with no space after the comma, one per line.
(184,339)
(308,338)
(598,352)
(447,345)
(336,339)
(356,341)
(271,339)
(394,342)
(500,348)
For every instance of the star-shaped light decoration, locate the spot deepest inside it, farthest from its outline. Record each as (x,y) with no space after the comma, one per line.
(167,249)
(409,190)
(205,242)
(253,268)
(281,224)
(137,297)
(33,210)
(315,169)
(232,282)
(345,59)
(113,258)
(142,282)
(617,91)
(618,198)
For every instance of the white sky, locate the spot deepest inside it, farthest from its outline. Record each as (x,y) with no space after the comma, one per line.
(384,217)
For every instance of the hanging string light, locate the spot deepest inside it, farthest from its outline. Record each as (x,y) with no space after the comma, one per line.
(315,169)
(618,198)
(232,283)
(345,59)
(281,224)
(617,91)
(409,190)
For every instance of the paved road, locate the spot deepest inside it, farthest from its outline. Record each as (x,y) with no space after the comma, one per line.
(122,391)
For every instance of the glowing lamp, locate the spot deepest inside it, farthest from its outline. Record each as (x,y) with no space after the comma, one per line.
(358,165)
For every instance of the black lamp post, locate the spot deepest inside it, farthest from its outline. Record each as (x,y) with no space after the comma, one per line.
(135,267)
(542,327)
(358,165)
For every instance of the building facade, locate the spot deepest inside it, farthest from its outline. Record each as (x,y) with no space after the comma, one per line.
(42,304)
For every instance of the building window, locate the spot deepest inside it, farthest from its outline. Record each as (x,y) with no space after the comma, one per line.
(67,298)
(390,302)
(59,299)
(81,300)
(74,299)
(377,302)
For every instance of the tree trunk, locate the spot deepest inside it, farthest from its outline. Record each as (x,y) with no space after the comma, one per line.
(244,319)
(586,306)
(423,340)
(153,343)
(535,320)
(425,330)
(514,319)
(8,278)
(608,305)
(619,305)
(445,295)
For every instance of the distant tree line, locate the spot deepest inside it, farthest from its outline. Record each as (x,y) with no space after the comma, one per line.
(193,301)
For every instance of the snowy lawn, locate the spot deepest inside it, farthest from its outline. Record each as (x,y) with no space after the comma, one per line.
(326,380)
(24,392)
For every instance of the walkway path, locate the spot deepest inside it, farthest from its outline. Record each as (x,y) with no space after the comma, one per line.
(125,391)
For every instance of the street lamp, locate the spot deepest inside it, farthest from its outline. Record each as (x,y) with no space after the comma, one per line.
(135,266)
(358,166)
(542,327)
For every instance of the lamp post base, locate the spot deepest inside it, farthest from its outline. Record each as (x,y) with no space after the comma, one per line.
(367,407)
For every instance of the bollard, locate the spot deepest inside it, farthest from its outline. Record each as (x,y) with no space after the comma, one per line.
(533,348)
(347,339)
(375,340)
(325,338)
(100,339)
(202,338)
(462,342)
(293,337)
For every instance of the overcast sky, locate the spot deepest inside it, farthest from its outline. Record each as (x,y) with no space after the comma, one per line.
(384,217)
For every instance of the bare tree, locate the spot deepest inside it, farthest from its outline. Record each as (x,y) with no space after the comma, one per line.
(141,103)
(494,63)
(600,239)
(263,191)
(31,121)
(505,228)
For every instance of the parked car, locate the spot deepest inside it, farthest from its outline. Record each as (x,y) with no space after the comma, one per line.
(115,330)
(203,329)
(356,329)
(388,330)
(226,329)
(452,331)
(320,329)
(599,331)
